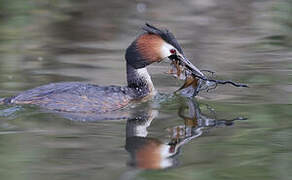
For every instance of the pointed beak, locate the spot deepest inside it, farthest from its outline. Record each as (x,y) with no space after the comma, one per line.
(190,66)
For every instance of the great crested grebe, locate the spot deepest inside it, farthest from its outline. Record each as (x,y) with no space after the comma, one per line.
(153,45)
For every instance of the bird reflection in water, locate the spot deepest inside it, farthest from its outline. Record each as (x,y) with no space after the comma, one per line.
(151,153)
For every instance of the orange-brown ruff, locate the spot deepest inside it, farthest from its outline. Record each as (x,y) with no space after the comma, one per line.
(143,45)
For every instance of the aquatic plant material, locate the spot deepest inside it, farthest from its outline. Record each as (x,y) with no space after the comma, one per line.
(197,82)
(177,70)
(190,87)
(189,81)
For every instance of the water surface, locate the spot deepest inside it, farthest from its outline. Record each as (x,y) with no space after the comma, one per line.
(52,41)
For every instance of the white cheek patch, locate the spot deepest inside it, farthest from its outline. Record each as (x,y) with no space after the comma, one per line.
(165,50)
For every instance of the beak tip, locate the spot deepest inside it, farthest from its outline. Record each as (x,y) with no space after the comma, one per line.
(193,68)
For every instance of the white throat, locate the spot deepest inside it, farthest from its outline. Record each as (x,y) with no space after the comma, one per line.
(143,73)
(140,81)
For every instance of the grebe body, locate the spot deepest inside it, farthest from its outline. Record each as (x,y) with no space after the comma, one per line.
(152,46)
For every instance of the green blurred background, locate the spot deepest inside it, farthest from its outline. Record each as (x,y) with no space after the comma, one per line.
(249,41)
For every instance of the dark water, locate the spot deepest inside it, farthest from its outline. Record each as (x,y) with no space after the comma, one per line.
(246,41)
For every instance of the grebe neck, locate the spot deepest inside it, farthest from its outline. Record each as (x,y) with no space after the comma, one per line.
(140,81)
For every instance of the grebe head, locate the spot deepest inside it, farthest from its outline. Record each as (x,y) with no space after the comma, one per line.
(153,46)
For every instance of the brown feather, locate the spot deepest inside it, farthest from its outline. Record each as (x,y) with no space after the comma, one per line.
(149,46)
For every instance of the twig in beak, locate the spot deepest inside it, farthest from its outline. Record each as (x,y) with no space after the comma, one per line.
(222,81)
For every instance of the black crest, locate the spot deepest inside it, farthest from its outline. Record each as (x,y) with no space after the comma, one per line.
(165,34)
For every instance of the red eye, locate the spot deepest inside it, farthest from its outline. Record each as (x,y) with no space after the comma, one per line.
(172,51)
